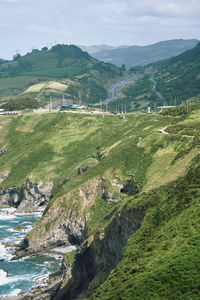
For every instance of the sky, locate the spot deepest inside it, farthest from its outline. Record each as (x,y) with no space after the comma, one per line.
(28,24)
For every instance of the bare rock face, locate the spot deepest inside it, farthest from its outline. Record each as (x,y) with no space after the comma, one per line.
(64,223)
(3,176)
(100,255)
(27,198)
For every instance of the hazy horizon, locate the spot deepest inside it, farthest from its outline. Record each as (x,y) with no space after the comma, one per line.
(28,24)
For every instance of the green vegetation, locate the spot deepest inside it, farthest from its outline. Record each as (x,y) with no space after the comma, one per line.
(161,260)
(170,82)
(91,166)
(138,95)
(70,257)
(63,64)
(20,103)
(180,76)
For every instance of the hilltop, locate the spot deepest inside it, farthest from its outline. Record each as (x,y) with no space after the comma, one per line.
(140,55)
(127,197)
(62,70)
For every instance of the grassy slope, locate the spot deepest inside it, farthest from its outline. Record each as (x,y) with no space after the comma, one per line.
(61,62)
(161,259)
(180,76)
(176,78)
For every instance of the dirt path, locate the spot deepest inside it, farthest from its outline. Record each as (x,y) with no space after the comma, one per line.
(163,130)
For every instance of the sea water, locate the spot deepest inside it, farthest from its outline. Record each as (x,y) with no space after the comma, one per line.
(23,274)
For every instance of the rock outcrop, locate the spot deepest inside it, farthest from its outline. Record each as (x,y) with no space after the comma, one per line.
(99,256)
(2,152)
(30,197)
(64,222)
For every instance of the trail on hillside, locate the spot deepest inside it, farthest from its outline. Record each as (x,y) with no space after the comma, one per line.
(163,130)
(154,87)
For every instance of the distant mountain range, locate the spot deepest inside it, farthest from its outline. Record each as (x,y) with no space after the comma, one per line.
(140,55)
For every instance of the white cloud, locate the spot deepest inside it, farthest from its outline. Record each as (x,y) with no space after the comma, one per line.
(115,22)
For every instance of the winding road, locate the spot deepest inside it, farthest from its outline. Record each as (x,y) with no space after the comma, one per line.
(113,89)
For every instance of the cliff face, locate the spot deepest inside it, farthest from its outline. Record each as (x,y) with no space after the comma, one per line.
(70,219)
(100,254)
(30,197)
(64,223)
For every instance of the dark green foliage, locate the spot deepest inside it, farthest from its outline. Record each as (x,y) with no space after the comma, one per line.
(64,51)
(179,77)
(21,103)
(161,261)
(181,110)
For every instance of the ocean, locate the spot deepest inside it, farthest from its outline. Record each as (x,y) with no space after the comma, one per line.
(23,274)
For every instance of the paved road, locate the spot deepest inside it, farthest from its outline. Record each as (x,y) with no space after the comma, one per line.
(113,90)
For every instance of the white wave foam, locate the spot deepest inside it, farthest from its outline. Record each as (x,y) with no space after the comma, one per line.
(9,210)
(15,292)
(3,277)
(6,217)
(4,254)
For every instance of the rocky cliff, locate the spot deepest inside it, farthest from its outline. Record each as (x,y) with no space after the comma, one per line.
(100,254)
(30,197)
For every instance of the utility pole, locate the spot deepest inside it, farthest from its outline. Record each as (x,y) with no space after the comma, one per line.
(175,100)
(80,100)
(50,104)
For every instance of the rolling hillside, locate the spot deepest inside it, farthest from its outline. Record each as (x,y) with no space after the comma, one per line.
(180,76)
(61,70)
(168,82)
(140,55)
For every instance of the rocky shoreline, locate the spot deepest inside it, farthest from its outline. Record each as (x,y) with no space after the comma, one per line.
(69,233)
(30,197)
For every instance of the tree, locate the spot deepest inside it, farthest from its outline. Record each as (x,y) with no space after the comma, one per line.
(123,67)
(17,56)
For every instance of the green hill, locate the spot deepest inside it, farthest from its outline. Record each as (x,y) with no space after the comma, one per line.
(168,82)
(126,194)
(68,65)
(141,55)
(180,76)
